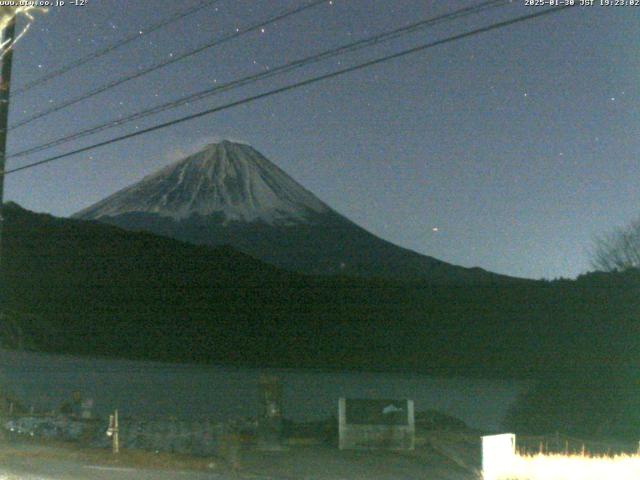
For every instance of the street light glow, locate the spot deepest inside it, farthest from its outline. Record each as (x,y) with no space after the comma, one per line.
(7,15)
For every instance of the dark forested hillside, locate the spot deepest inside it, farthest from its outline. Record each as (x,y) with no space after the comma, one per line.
(96,289)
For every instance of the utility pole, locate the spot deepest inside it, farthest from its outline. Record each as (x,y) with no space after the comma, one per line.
(8,36)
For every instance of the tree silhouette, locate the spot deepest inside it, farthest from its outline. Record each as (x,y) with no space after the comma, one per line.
(618,250)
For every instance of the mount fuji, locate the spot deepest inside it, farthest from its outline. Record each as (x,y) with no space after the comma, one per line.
(230,194)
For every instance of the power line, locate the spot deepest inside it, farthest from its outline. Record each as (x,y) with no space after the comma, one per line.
(348,48)
(296,85)
(110,48)
(237,33)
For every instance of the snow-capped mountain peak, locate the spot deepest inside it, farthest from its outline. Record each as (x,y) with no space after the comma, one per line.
(229,179)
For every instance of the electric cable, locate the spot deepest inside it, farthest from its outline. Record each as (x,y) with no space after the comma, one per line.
(296,85)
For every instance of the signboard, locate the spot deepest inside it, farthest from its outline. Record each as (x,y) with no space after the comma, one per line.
(376,424)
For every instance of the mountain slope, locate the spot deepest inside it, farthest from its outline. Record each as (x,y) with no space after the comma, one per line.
(90,288)
(231,194)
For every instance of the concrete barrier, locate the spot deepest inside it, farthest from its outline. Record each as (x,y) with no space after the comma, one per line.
(498,455)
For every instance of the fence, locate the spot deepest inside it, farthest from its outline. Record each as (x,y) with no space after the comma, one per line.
(559,443)
(173,436)
(559,457)
(200,438)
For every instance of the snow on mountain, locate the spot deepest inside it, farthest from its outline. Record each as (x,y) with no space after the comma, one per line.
(228,179)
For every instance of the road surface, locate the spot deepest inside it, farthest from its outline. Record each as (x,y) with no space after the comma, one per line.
(308,463)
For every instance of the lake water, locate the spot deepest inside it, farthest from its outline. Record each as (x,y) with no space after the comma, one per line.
(153,389)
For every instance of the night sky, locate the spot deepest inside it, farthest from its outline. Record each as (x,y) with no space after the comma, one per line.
(508,150)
